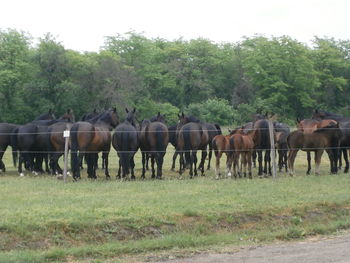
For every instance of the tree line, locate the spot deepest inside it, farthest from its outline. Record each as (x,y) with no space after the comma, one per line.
(224,83)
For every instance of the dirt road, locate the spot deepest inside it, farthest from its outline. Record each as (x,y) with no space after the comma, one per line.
(331,249)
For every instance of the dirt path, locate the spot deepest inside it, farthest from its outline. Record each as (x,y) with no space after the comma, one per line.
(332,249)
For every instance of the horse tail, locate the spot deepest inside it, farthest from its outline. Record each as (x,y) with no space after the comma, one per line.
(218,128)
(159,139)
(187,145)
(14,145)
(74,150)
(124,151)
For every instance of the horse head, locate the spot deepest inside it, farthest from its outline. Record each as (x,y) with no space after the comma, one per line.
(68,116)
(130,117)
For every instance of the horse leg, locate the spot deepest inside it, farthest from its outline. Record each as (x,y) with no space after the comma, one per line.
(254,155)
(152,166)
(291,158)
(210,154)
(204,156)
(143,165)
(268,158)
(249,163)
(89,164)
(340,159)
(181,162)
(147,161)
(285,159)
(81,160)
(2,165)
(308,156)
(160,159)
(217,164)
(106,162)
(174,160)
(229,164)
(280,160)
(318,156)
(346,160)
(194,163)
(260,170)
(20,163)
(132,166)
(331,160)
(119,169)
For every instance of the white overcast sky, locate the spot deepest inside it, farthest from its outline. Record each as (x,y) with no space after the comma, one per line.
(82,24)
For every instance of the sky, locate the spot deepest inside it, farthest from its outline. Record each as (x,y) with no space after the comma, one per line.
(82,25)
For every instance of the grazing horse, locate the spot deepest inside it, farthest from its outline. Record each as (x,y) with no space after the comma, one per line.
(262,143)
(241,146)
(91,138)
(281,133)
(126,142)
(323,138)
(308,126)
(154,138)
(191,137)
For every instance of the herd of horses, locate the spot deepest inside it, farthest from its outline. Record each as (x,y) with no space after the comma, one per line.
(41,141)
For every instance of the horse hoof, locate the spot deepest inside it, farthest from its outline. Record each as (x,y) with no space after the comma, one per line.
(229,174)
(21,174)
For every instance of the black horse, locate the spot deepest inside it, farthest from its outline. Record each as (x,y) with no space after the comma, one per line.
(154,138)
(6,129)
(191,137)
(32,140)
(125,141)
(262,144)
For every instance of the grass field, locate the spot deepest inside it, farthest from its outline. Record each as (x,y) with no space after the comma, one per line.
(44,220)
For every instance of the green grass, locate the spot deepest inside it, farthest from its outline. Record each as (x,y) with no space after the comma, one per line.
(43,219)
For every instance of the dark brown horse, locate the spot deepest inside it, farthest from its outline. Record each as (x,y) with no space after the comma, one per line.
(308,126)
(327,138)
(191,137)
(154,139)
(126,142)
(262,144)
(91,138)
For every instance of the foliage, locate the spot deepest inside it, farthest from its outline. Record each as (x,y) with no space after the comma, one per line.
(222,83)
(212,111)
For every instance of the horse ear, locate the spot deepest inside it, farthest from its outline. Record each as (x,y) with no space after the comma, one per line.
(50,111)
(158,113)
(178,115)
(114,109)
(316,110)
(182,115)
(298,120)
(95,110)
(126,109)
(134,110)
(68,111)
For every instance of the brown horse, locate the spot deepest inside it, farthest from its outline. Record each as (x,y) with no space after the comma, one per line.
(154,138)
(221,145)
(91,138)
(308,126)
(321,139)
(242,147)
(191,137)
